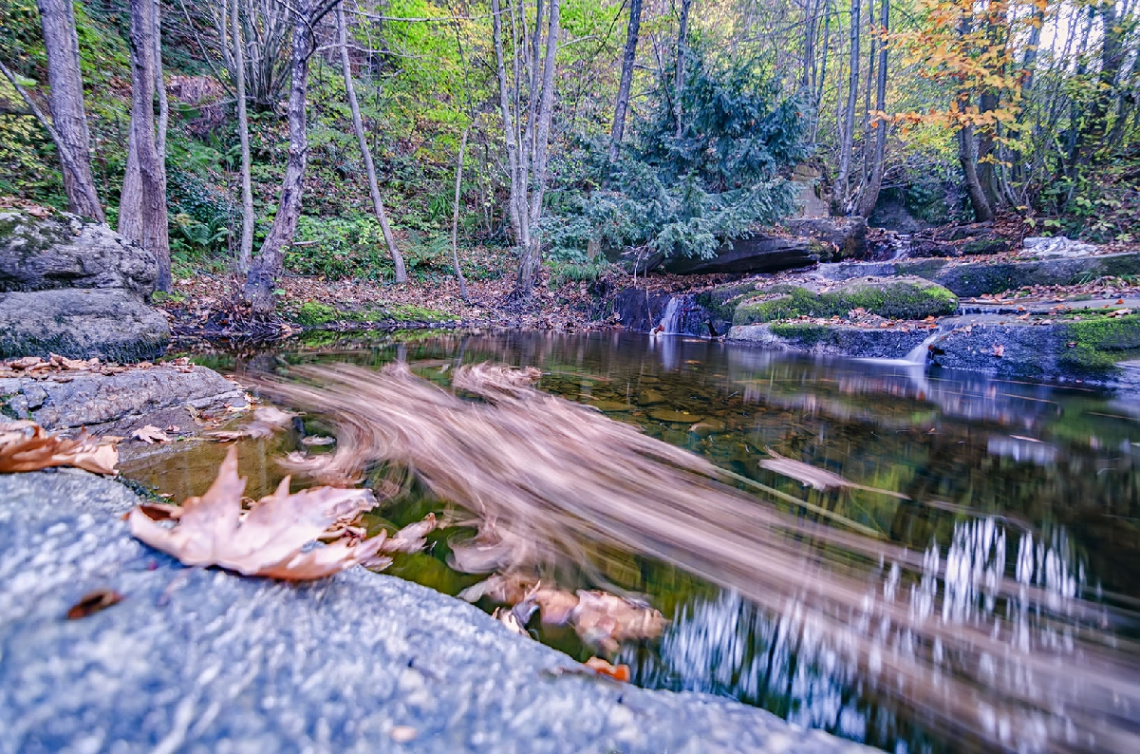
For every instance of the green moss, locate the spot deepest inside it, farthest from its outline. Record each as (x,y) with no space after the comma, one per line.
(802,334)
(896,300)
(412,313)
(1100,342)
(314,313)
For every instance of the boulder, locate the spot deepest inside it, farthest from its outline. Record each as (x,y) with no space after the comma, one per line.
(679,314)
(840,237)
(199,660)
(958,240)
(1057,246)
(892,298)
(836,340)
(116,401)
(111,324)
(758,253)
(61,251)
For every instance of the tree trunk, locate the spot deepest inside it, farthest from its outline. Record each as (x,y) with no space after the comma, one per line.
(967,158)
(1111,57)
(531,258)
(839,195)
(871,195)
(245,250)
(629,56)
(520,226)
(455,217)
(61,42)
(369,165)
(679,74)
(143,202)
(266,269)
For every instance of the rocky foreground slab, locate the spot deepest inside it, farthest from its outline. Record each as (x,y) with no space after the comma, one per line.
(201,660)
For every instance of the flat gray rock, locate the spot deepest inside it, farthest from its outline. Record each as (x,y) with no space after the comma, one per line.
(197,660)
(112,324)
(77,399)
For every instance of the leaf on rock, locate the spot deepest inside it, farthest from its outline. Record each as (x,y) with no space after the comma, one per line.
(557,605)
(601,667)
(93,602)
(999,350)
(26,446)
(269,539)
(150,434)
(411,538)
(510,620)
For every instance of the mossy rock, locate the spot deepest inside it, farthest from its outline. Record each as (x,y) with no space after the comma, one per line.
(1098,344)
(894,298)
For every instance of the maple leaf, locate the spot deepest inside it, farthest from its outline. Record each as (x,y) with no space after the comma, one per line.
(26,446)
(150,434)
(601,667)
(268,540)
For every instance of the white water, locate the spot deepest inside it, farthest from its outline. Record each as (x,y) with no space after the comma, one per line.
(671,319)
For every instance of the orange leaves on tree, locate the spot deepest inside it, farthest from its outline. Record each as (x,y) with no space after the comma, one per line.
(26,446)
(270,539)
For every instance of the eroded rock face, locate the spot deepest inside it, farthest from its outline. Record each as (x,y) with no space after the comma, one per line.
(61,251)
(75,400)
(760,253)
(75,289)
(111,324)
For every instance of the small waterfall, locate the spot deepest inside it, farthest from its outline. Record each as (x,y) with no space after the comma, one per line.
(671,318)
(900,246)
(918,354)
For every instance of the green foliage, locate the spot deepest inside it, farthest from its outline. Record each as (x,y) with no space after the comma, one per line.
(683,195)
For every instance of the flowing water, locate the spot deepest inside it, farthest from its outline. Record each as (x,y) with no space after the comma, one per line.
(994,481)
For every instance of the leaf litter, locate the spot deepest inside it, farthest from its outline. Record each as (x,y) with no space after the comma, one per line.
(26,446)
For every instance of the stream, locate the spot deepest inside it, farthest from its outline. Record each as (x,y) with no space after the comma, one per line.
(994,479)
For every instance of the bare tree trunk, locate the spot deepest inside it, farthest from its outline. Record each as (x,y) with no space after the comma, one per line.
(532,254)
(875,184)
(267,267)
(968,159)
(628,57)
(245,250)
(69,117)
(143,201)
(839,197)
(679,75)
(455,216)
(369,165)
(520,225)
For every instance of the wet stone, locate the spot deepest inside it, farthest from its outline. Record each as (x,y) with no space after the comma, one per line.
(203,660)
(672,415)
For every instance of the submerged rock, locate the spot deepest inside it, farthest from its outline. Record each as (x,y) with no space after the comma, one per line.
(111,324)
(203,660)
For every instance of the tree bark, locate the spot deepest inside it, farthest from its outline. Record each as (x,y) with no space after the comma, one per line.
(362,139)
(142,206)
(455,217)
(679,74)
(245,250)
(839,197)
(69,117)
(520,225)
(628,57)
(266,268)
(968,159)
(875,184)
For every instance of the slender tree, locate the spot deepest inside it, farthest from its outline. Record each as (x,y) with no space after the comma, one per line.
(455,216)
(847,121)
(362,139)
(679,72)
(628,58)
(68,115)
(880,125)
(245,250)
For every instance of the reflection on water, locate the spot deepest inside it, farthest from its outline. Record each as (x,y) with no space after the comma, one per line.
(1022,524)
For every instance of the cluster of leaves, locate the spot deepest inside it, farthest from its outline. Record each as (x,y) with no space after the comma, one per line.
(684,192)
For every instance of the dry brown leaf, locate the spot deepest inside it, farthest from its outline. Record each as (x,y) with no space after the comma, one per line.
(505,588)
(26,446)
(273,416)
(317,440)
(411,538)
(999,350)
(802,472)
(93,602)
(510,620)
(601,667)
(605,620)
(150,434)
(557,605)
(268,540)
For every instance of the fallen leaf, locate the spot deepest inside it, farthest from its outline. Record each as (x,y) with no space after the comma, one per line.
(601,667)
(508,588)
(605,620)
(93,602)
(273,416)
(999,350)
(805,473)
(26,446)
(557,605)
(266,541)
(411,537)
(510,620)
(317,440)
(402,734)
(150,434)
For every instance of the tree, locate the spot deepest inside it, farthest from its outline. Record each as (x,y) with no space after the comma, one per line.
(871,196)
(847,121)
(68,115)
(369,165)
(245,250)
(142,203)
(526,105)
(628,58)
